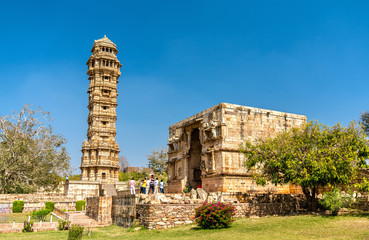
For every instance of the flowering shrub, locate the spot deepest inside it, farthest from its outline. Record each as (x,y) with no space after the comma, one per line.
(214,215)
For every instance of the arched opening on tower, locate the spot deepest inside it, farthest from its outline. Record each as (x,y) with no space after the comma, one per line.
(194,163)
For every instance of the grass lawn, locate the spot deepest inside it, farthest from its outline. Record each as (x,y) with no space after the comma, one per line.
(291,227)
(20,217)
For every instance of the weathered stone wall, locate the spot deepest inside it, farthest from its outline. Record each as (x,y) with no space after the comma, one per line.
(204,148)
(123,210)
(99,209)
(81,190)
(157,216)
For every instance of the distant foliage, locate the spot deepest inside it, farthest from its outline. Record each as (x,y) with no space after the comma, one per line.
(75,232)
(364,121)
(50,206)
(28,226)
(63,225)
(335,200)
(158,160)
(40,214)
(18,206)
(74,177)
(128,176)
(80,204)
(123,163)
(214,215)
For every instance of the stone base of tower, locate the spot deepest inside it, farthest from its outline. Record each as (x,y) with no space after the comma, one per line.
(80,190)
(99,174)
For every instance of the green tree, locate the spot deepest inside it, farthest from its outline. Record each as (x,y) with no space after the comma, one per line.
(364,121)
(158,160)
(31,155)
(312,156)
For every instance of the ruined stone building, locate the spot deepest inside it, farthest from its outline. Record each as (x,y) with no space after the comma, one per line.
(100,160)
(204,148)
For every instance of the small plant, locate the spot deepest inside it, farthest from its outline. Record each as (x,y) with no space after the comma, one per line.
(187,189)
(63,225)
(214,215)
(27,226)
(18,206)
(335,200)
(80,205)
(40,214)
(75,232)
(50,206)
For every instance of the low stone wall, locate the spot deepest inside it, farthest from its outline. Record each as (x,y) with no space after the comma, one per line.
(157,216)
(37,227)
(32,206)
(35,197)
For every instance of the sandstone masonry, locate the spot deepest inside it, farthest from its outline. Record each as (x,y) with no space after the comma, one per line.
(100,160)
(204,148)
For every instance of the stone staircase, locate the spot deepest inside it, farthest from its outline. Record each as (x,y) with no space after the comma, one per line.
(108,190)
(82,219)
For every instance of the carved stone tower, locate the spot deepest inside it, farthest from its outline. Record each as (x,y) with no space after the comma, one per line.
(100,160)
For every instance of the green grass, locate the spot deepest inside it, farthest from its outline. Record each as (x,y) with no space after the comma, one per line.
(291,227)
(20,217)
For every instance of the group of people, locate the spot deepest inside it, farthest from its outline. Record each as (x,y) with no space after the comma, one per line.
(150,184)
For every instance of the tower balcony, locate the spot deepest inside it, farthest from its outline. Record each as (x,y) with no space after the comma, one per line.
(92,70)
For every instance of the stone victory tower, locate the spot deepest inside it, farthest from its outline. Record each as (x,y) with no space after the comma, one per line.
(100,160)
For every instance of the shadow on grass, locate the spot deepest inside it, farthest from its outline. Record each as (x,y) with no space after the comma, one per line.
(197,228)
(359,215)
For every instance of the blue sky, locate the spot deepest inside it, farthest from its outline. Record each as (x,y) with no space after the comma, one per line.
(181,57)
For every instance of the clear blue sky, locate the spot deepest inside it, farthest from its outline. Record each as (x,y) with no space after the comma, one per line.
(181,57)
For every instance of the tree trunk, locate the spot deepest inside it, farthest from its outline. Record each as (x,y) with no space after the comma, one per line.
(310,195)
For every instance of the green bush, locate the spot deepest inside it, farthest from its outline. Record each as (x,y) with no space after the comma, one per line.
(18,206)
(50,206)
(63,225)
(80,204)
(75,232)
(27,226)
(40,214)
(214,215)
(335,200)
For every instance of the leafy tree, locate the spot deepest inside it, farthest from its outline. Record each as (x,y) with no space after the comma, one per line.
(123,163)
(364,121)
(158,160)
(128,176)
(31,155)
(312,156)
(74,177)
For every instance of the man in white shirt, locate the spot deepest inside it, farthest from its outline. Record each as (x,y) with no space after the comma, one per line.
(148,186)
(132,185)
(156,186)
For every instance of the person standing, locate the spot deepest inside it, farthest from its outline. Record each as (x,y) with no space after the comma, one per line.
(141,190)
(144,186)
(148,185)
(161,186)
(156,185)
(132,185)
(152,184)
